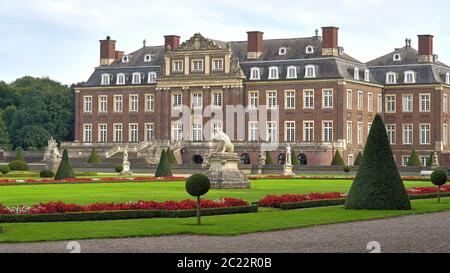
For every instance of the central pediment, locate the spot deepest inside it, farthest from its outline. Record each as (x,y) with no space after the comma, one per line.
(198,42)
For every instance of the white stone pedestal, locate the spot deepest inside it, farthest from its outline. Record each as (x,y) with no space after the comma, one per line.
(224,172)
(288,170)
(127,169)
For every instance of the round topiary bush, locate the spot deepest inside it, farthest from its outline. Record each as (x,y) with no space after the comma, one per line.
(4,170)
(46,174)
(18,165)
(347,169)
(197,186)
(439,178)
(118,168)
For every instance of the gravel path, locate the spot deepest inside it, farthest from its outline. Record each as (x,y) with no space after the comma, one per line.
(420,233)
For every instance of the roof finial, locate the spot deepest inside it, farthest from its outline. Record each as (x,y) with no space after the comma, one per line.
(145,43)
(317,33)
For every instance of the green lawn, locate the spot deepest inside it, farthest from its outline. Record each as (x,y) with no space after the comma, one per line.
(266,220)
(159,191)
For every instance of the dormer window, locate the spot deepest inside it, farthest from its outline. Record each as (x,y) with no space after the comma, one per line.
(397,58)
(391,78)
(152,77)
(125,59)
(136,78)
(282,51)
(447,78)
(309,50)
(197,65)
(217,64)
(148,58)
(120,78)
(106,79)
(273,73)
(410,77)
(356,74)
(367,75)
(255,74)
(292,72)
(177,66)
(310,71)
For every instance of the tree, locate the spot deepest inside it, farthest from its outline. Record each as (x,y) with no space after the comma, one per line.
(171,157)
(94,158)
(269,160)
(294,158)
(4,135)
(337,160)
(414,160)
(197,186)
(378,185)
(19,154)
(65,170)
(439,178)
(358,159)
(430,160)
(163,169)
(4,170)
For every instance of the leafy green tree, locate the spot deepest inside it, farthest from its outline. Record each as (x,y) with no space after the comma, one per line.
(19,154)
(414,160)
(294,158)
(94,158)
(269,160)
(163,169)
(197,186)
(337,160)
(378,185)
(65,170)
(439,178)
(358,159)
(4,134)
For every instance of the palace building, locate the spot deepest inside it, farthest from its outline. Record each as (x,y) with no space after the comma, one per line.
(318,99)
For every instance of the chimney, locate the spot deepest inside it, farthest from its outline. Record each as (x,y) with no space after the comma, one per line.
(330,41)
(119,55)
(426,49)
(255,45)
(172,41)
(107,51)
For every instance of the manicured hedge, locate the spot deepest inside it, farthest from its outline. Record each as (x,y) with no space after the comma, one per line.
(22,175)
(121,215)
(313,204)
(428,196)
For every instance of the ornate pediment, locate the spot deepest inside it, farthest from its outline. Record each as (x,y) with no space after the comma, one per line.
(198,42)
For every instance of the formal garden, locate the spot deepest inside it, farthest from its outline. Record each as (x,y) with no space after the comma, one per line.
(65,205)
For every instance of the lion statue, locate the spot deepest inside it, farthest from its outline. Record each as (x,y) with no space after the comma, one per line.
(225,145)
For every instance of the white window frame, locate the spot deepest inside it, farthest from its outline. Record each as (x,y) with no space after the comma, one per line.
(289,99)
(289,131)
(309,50)
(447,78)
(197,100)
(197,131)
(308,131)
(360,101)
(102,134)
(405,108)
(274,73)
(405,160)
(149,103)
(422,139)
(310,71)
(255,73)
(198,65)
(217,99)
(327,98)
(367,75)
(389,103)
(308,99)
(117,103)
(177,66)
(136,78)
(327,131)
(103,105)
(349,131)
(391,130)
(272,99)
(133,105)
(379,103)
(87,138)
(118,133)
(217,64)
(152,77)
(148,58)
(272,131)
(149,131)
(253,99)
(445,103)
(177,131)
(290,74)
(410,77)
(349,99)
(445,134)
(106,79)
(121,79)
(370,102)
(391,78)
(356,74)
(133,138)
(253,131)
(423,106)
(360,133)
(397,57)
(408,134)
(87,104)
(179,103)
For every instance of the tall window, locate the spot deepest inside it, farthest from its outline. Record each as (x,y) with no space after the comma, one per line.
(445,103)
(447,78)
(217,64)
(272,131)
(102,133)
(360,101)
(349,99)
(369,126)
(197,100)
(118,133)
(255,73)
(290,131)
(349,132)
(356,74)
(292,72)
(273,73)
(391,78)
(367,75)
(408,134)
(177,100)
(380,103)
(390,104)
(197,65)
(308,131)
(327,98)
(290,99)
(327,131)
(445,134)
(217,99)
(359,133)
(308,99)
(133,135)
(253,131)
(272,102)
(254,99)
(152,77)
(87,108)
(120,79)
(391,133)
(102,104)
(118,103)
(149,103)
(87,133)
(425,102)
(136,78)
(410,77)
(177,66)
(425,134)
(407,103)
(177,131)
(217,126)
(310,71)
(134,103)
(197,132)
(106,79)
(370,102)
(149,131)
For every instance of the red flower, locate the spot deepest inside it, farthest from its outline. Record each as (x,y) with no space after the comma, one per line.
(275,201)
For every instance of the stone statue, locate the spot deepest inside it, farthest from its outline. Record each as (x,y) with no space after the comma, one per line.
(52,156)
(288,168)
(262,158)
(225,145)
(126,163)
(288,155)
(435,161)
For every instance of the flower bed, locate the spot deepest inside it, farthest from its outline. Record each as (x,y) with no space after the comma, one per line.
(91,180)
(60,207)
(427,190)
(275,201)
(310,177)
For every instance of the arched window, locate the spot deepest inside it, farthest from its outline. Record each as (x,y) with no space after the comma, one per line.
(273,73)
(281,159)
(310,71)
(106,79)
(148,58)
(120,78)
(245,159)
(152,77)
(198,160)
(282,51)
(309,50)
(303,159)
(356,74)
(255,73)
(397,58)
(391,78)
(125,59)
(367,75)
(136,78)
(410,77)
(292,72)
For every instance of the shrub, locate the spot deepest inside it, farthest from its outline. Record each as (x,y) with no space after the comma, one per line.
(269,160)
(4,170)
(414,160)
(94,158)
(378,185)
(294,158)
(347,169)
(358,159)
(439,178)
(197,186)
(84,174)
(18,165)
(65,168)
(337,160)
(163,169)
(276,201)
(47,174)
(118,168)
(171,157)
(313,204)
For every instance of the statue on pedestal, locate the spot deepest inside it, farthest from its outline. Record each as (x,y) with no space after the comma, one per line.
(435,161)
(52,156)
(224,170)
(287,169)
(126,163)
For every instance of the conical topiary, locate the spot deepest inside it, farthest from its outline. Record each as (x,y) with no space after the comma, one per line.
(358,159)
(414,160)
(378,185)
(430,160)
(171,157)
(65,170)
(163,169)
(337,160)
(94,158)
(294,158)
(269,160)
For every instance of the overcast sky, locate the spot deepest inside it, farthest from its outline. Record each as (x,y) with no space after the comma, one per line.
(59,38)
